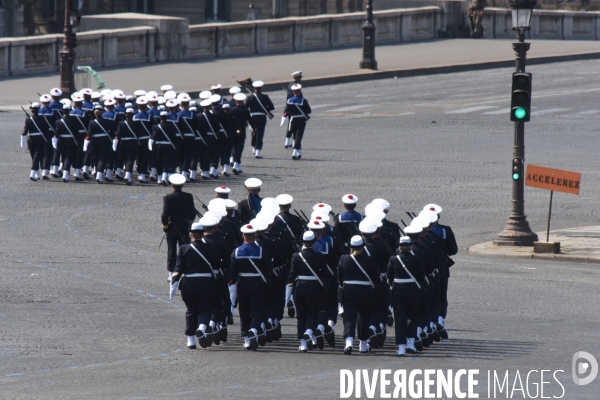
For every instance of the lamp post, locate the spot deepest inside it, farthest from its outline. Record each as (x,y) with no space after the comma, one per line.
(67,56)
(368,58)
(517,231)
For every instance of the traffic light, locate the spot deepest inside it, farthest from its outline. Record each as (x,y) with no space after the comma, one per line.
(517,169)
(520,101)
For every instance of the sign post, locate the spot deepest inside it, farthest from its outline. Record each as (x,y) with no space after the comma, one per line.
(553,180)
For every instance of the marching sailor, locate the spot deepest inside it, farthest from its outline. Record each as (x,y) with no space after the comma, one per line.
(163,141)
(240,117)
(128,134)
(298,110)
(36,134)
(66,141)
(260,107)
(250,206)
(348,221)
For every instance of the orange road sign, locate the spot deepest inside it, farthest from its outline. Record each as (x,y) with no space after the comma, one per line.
(552,179)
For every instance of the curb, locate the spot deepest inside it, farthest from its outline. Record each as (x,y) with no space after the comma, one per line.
(488,249)
(412,72)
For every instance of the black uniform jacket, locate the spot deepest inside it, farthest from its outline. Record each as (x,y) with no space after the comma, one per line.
(190,262)
(178,209)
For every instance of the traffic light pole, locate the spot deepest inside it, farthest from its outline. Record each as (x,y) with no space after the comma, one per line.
(67,57)
(517,231)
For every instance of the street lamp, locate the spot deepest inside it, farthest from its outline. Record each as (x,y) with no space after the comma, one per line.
(67,54)
(368,58)
(517,231)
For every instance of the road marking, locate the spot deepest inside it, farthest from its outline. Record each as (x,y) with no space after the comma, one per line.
(470,109)
(406,113)
(550,111)
(322,106)
(588,112)
(351,108)
(498,112)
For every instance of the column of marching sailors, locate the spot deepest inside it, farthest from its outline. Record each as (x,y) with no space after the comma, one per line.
(258,256)
(108,134)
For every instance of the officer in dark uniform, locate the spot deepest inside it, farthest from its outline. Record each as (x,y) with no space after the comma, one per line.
(359,278)
(48,166)
(177,216)
(390,231)
(110,119)
(260,106)
(187,126)
(296,79)
(348,221)
(196,274)
(36,134)
(227,132)
(66,140)
(297,110)
(164,142)
(128,134)
(145,159)
(241,119)
(286,221)
(100,141)
(250,206)
(307,273)
(56,106)
(250,272)
(208,126)
(84,121)
(405,273)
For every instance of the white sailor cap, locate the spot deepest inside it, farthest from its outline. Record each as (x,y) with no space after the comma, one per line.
(225,106)
(66,102)
(270,209)
(315,224)
(374,221)
(296,73)
(349,199)
(197,227)
(192,103)
(229,204)
(248,229)
(216,86)
(216,203)
(109,102)
(367,226)
(376,215)
(107,92)
(151,97)
(309,236)
(324,218)
(77,97)
(151,93)
(266,216)
(405,240)
(413,230)
(234,90)
(253,183)
(128,105)
(322,208)
(223,189)
(356,241)
(45,98)
(239,97)
(193,109)
(259,224)
(164,113)
(183,97)
(209,220)
(269,201)
(66,107)
(141,100)
(218,212)
(383,202)
(284,199)
(161,100)
(421,222)
(87,91)
(118,94)
(205,94)
(162,107)
(139,93)
(129,110)
(108,96)
(296,86)
(206,103)
(96,95)
(432,215)
(170,95)
(433,207)
(98,106)
(215,98)
(373,208)
(171,103)
(177,179)
(258,84)
(55,92)
(34,105)
(166,88)
(129,98)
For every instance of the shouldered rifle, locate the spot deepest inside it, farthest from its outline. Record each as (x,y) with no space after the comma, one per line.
(26,113)
(403,223)
(203,205)
(305,217)
(409,215)
(414,215)
(300,216)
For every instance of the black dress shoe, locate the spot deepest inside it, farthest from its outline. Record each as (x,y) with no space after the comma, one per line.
(235,172)
(226,173)
(164,183)
(262,338)
(65,180)
(142,181)
(309,342)
(223,334)
(78,179)
(348,350)
(192,347)
(253,341)
(31,178)
(192,180)
(99,181)
(257,156)
(152,179)
(373,338)
(109,180)
(229,320)
(214,176)
(330,336)
(320,341)
(205,178)
(55,176)
(299,157)
(128,183)
(442,331)
(45,178)
(86,176)
(119,177)
(295,158)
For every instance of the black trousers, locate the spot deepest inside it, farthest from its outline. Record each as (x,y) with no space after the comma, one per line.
(405,301)
(207,154)
(217,150)
(251,303)
(197,151)
(168,160)
(56,156)
(226,151)
(423,310)
(200,308)
(128,157)
(67,155)
(443,304)
(238,147)
(188,154)
(37,154)
(277,300)
(260,124)
(297,127)
(153,162)
(173,244)
(331,302)
(308,299)
(48,154)
(80,157)
(358,306)
(101,155)
(143,157)
(381,307)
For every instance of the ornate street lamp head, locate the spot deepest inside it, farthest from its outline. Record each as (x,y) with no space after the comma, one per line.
(521,14)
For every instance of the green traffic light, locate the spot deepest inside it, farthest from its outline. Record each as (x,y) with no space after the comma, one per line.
(515,176)
(520,113)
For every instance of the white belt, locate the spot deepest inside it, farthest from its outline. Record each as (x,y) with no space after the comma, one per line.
(127,138)
(35,134)
(404,280)
(257,113)
(307,278)
(99,134)
(189,134)
(199,275)
(298,116)
(367,283)
(144,137)
(163,142)
(69,136)
(382,275)
(249,275)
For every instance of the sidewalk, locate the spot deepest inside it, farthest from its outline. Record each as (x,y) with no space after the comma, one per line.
(576,244)
(319,67)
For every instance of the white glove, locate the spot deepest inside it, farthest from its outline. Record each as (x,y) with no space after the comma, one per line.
(86,144)
(282,120)
(55,142)
(173,290)
(233,293)
(115,144)
(288,293)
(23,140)
(150,142)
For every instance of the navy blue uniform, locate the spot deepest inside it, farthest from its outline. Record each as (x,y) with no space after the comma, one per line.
(177,216)
(298,110)
(260,106)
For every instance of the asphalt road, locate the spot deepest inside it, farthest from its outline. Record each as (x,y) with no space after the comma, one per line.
(83,309)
